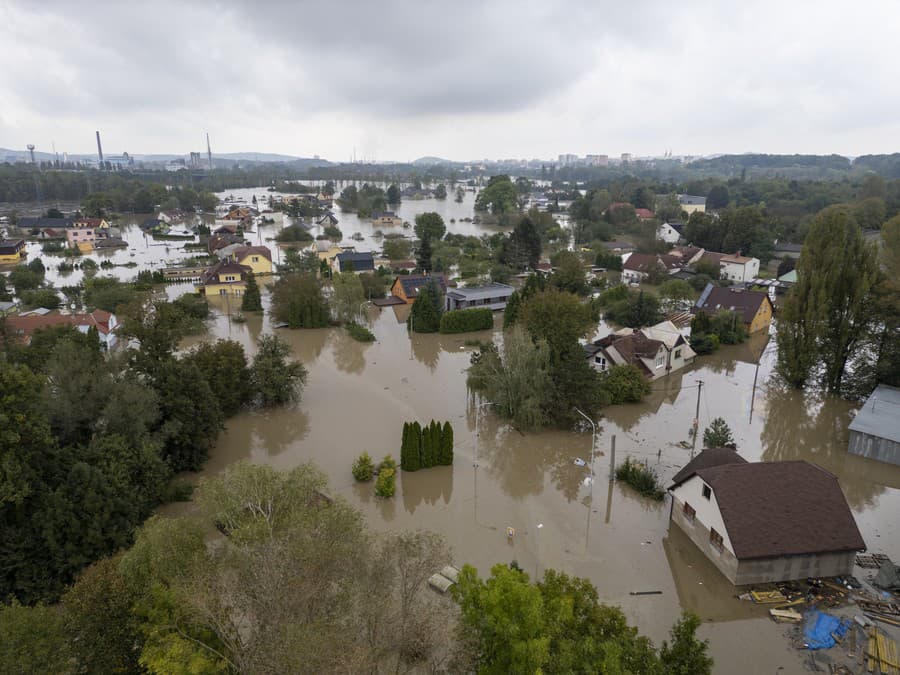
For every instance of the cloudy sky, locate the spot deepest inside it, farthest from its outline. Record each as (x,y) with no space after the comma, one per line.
(463,80)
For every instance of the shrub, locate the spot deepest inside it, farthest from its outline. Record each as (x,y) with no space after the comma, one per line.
(624,384)
(467,320)
(387,463)
(363,468)
(385,485)
(360,333)
(704,343)
(642,478)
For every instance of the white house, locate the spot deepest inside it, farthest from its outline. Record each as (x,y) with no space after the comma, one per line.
(656,351)
(738,268)
(493,295)
(670,232)
(765,522)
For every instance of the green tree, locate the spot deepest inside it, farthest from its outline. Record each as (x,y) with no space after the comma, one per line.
(430,225)
(347,297)
(440,192)
(32,640)
(636,310)
(675,291)
(423,255)
(298,300)
(624,384)
(275,380)
(397,249)
(569,273)
(393,194)
(251,302)
(363,468)
(718,435)
(686,655)
(522,249)
(500,196)
(223,365)
(446,455)
(425,314)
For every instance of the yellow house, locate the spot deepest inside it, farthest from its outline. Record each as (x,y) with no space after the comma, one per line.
(226,277)
(326,250)
(257,258)
(753,307)
(12,250)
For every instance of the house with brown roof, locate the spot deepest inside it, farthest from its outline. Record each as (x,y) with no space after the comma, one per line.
(738,268)
(257,258)
(226,277)
(761,522)
(754,308)
(656,350)
(638,266)
(12,250)
(407,286)
(23,326)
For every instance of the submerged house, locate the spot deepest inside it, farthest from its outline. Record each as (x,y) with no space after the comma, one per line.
(753,307)
(12,250)
(406,287)
(23,326)
(226,277)
(656,351)
(493,295)
(764,522)
(875,431)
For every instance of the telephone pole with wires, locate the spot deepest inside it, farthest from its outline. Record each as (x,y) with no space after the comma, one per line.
(697,418)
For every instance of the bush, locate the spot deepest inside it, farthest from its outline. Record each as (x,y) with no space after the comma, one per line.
(387,463)
(363,468)
(704,343)
(467,320)
(624,384)
(642,478)
(360,333)
(422,447)
(385,485)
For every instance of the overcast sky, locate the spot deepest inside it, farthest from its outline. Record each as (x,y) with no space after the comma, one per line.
(462,80)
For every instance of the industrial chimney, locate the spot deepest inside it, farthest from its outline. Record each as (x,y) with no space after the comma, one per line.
(31,150)
(99,150)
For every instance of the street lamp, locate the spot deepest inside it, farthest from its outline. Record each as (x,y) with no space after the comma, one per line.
(478,407)
(593,438)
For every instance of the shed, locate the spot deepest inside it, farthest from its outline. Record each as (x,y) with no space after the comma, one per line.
(875,431)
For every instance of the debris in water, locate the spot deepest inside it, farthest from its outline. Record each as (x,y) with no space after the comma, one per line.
(580,462)
(645,593)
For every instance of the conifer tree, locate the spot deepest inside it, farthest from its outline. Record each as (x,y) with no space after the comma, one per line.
(447,444)
(427,447)
(252,301)
(404,448)
(416,445)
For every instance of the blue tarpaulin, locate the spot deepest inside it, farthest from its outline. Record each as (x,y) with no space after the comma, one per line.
(820,627)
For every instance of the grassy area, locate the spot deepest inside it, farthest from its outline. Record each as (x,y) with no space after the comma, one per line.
(360,333)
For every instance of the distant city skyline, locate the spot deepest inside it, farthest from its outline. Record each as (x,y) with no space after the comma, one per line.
(476,80)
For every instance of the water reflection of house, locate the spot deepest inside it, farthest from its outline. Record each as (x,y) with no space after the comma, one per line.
(753,307)
(656,351)
(875,431)
(765,521)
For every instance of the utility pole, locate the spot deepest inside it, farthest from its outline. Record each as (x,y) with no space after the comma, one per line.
(697,418)
(612,460)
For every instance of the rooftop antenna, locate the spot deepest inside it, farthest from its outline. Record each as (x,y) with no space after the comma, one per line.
(30,147)
(208,151)
(99,150)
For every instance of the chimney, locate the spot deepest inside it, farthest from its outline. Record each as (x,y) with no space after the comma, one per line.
(99,149)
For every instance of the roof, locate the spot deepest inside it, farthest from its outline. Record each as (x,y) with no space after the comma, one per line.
(676,225)
(644,213)
(355,256)
(30,223)
(641,262)
(87,222)
(745,303)
(880,414)
(712,257)
(691,200)
(736,258)
(243,251)
(227,266)
(26,324)
(782,508)
(413,282)
(789,277)
(11,245)
(707,458)
(666,332)
(789,247)
(481,292)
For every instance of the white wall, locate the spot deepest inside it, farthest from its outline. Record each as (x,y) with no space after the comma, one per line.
(691,491)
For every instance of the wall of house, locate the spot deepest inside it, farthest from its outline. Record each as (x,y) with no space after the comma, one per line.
(783,568)
(668,234)
(698,532)
(874,447)
(236,289)
(633,275)
(690,208)
(762,319)
(677,359)
(657,365)
(257,262)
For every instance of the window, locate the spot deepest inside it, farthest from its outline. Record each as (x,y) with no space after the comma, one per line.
(689,512)
(256,258)
(660,360)
(716,540)
(677,353)
(600,361)
(707,491)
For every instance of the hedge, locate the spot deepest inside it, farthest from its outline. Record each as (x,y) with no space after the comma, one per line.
(466,320)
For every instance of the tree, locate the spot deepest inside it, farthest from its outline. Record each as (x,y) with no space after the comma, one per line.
(718,435)
(425,314)
(397,249)
(223,365)
(347,297)
(363,468)
(446,454)
(624,384)
(298,301)
(423,255)
(32,640)
(251,302)
(568,274)
(374,284)
(522,250)
(636,310)
(718,197)
(500,196)
(430,225)
(826,314)
(518,382)
(275,380)
(460,195)
(675,291)
(440,192)
(686,655)
(393,194)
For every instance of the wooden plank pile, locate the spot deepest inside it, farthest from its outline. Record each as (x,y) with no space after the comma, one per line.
(873,561)
(881,653)
(886,612)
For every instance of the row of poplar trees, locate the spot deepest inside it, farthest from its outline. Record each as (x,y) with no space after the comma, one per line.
(425,446)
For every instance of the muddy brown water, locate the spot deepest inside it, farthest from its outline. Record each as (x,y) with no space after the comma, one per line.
(359,395)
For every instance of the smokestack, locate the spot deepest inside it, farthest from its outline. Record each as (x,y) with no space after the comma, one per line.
(99,148)
(31,151)
(208,151)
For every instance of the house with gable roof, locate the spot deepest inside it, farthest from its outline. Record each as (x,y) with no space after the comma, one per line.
(754,308)
(762,522)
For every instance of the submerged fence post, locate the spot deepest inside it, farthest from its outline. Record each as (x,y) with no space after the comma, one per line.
(612,460)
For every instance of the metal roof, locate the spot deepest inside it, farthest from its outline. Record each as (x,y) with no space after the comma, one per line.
(880,414)
(481,292)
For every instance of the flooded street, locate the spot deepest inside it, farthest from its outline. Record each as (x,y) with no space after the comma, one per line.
(359,395)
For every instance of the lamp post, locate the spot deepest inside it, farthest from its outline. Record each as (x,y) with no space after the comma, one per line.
(593,438)
(478,407)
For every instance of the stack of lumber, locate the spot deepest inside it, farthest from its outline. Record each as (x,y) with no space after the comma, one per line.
(882,654)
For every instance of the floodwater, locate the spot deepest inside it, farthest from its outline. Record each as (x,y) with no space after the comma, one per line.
(359,395)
